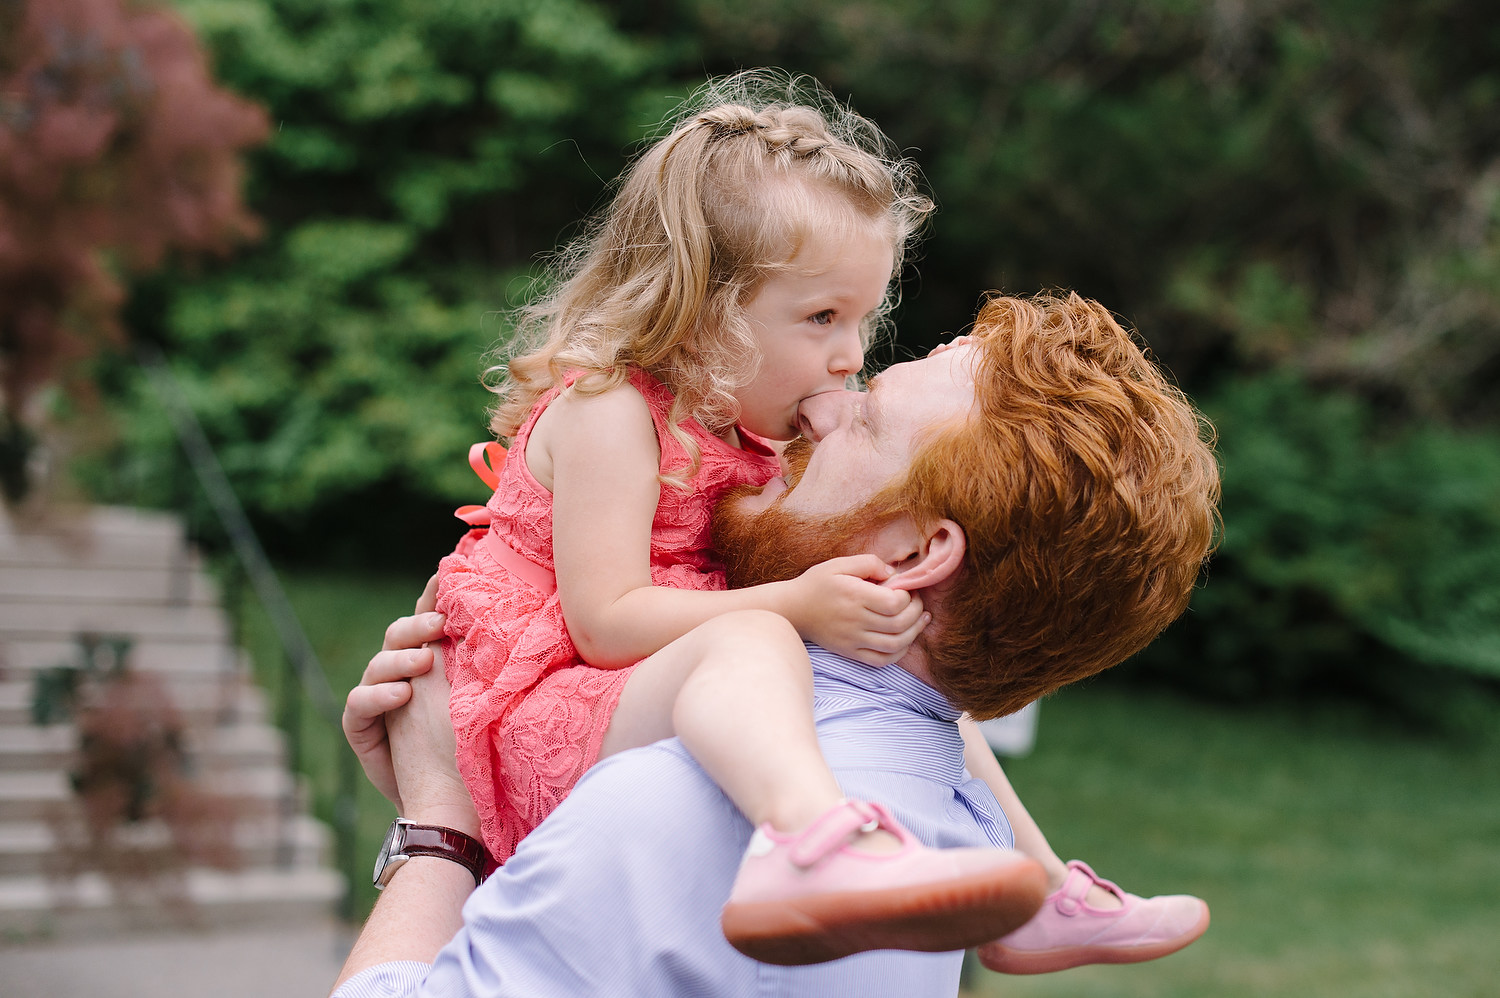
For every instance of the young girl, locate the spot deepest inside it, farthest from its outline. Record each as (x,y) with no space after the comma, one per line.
(741,268)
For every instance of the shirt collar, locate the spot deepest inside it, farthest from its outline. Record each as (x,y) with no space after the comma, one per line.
(892,682)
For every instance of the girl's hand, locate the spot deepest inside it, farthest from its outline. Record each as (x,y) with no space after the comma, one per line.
(840,605)
(957,341)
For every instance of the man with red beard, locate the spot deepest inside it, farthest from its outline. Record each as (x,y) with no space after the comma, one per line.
(1041,486)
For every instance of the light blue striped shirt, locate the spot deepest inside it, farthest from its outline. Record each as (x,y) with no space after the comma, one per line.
(618,892)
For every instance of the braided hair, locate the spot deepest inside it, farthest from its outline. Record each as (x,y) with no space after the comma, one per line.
(707,213)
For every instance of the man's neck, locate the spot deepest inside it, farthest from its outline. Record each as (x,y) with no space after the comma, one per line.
(915,662)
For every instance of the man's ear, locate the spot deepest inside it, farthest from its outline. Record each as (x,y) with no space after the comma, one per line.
(933,556)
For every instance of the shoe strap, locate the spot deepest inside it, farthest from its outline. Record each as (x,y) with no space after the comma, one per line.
(840,825)
(1070,896)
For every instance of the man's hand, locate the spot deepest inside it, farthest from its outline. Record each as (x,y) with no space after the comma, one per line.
(957,341)
(397,722)
(841,605)
(385,687)
(422,755)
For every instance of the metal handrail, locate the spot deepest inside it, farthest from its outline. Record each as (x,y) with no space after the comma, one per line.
(306,668)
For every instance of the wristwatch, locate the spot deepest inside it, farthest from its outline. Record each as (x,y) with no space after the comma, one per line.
(406,839)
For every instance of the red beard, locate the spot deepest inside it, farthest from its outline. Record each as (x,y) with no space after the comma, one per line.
(774,545)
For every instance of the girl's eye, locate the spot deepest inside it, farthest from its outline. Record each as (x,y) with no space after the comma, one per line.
(823,318)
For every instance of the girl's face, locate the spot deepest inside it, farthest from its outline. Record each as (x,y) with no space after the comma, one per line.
(807,322)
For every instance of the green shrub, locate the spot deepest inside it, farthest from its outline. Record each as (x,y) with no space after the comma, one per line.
(1350,551)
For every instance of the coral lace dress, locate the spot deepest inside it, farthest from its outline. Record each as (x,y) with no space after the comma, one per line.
(529,715)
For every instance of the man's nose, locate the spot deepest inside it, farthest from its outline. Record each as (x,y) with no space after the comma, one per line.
(821,414)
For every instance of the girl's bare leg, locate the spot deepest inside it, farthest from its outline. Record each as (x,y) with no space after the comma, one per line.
(738,691)
(980,759)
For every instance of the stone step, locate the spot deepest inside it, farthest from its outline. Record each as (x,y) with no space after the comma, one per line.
(26,748)
(100,537)
(43,619)
(229,700)
(89,530)
(44,795)
(109,584)
(268,842)
(171,656)
(131,574)
(90,905)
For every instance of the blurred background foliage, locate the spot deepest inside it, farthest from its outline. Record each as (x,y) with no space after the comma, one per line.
(1296,202)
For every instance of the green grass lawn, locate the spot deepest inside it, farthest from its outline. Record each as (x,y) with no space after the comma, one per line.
(1341,858)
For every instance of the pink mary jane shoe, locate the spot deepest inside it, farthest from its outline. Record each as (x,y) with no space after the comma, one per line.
(813,897)
(1067,932)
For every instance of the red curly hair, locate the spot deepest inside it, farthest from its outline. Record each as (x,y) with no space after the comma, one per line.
(1088,496)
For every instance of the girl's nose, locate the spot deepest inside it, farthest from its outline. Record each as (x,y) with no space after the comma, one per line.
(820,414)
(849,355)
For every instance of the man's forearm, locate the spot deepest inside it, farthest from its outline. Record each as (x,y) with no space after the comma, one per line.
(421,907)
(418,912)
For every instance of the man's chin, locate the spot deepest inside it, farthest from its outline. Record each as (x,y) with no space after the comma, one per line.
(759,541)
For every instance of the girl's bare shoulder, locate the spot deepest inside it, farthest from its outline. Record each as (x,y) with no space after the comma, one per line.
(618,419)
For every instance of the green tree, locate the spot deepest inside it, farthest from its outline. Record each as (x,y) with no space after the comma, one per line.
(1297,202)
(422,153)
(1272,182)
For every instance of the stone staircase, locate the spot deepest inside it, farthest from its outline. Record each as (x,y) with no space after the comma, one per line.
(129,579)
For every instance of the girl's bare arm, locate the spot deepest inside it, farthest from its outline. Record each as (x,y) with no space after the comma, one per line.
(600,456)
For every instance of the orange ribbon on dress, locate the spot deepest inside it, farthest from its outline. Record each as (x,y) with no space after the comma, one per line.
(486,459)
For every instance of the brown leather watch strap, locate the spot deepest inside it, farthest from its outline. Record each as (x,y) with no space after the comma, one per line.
(434,840)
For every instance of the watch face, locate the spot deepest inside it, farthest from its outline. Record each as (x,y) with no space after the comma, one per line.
(393,838)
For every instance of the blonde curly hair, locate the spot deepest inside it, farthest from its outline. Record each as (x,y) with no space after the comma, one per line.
(749,167)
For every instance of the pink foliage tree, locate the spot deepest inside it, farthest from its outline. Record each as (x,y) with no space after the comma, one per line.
(116,148)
